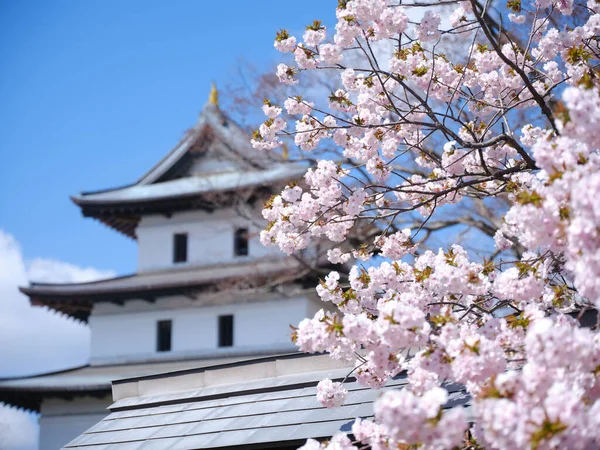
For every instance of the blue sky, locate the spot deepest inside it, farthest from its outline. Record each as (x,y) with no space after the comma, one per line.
(92,94)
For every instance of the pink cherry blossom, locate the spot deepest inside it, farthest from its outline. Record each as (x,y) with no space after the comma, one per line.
(457,176)
(331,394)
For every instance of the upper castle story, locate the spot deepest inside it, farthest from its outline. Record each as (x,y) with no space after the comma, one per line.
(199,205)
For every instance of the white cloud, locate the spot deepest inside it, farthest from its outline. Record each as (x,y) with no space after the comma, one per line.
(52,271)
(35,340)
(18,430)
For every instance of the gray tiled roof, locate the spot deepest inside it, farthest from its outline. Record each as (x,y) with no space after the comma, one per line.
(260,412)
(193,185)
(236,145)
(167,278)
(248,166)
(100,377)
(208,169)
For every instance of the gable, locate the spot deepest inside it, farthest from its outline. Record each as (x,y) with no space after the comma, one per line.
(216,144)
(206,155)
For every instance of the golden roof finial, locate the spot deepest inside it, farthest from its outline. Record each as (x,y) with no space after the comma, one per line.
(213,97)
(285,153)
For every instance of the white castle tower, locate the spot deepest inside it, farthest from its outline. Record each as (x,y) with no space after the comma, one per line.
(205,291)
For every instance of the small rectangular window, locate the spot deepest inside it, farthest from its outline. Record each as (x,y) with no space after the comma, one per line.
(163,336)
(225,331)
(180,247)
(240,244)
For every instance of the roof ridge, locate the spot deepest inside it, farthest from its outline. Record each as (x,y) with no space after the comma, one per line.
(44,374)
(189,135)
(81,283)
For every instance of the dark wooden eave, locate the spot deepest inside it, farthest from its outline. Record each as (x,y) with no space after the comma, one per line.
(31,399)
(125,217)
(80,305)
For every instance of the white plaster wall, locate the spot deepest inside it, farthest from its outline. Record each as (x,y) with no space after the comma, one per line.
(61,421)
(130,332)
(210,239)
(211,165)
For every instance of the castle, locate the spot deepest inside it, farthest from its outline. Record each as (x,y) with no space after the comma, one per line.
(205,291)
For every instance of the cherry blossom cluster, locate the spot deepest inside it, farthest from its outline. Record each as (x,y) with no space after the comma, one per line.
(431,116)
(331,394)
(406,417)
(327,209)
(552,402)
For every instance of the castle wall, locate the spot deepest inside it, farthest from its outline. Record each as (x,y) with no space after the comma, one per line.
(61,421)
(129,332)
(210,239)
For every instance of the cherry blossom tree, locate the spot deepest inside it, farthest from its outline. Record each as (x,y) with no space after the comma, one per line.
(430,114)
(470,224)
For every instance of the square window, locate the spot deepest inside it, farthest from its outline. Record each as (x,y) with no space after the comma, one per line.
(163,335)
(226,331)
(180,244)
